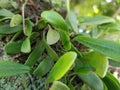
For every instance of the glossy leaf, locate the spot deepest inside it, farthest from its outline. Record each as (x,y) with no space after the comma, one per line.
(9,68)
(35,54)
(97,61)
(16,20)
(6,29)
(111,82)
(62,66)
(105,47)
(92,80)
(26,46)
(52,36)
(55,19)
(13,47)
(6,13)
(44,67)
(96,20)
(72,21)
(57,85)
(28,27)
(64,36)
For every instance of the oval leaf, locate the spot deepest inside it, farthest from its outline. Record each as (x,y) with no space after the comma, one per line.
(6,29)
(13,47)
(92,80)
(57,85)
(52,36)
(26,47)
(62,66)
(16,20)
(8,68)
(105,47)
(97,61)
(28,27)
(55,19)
(44,67)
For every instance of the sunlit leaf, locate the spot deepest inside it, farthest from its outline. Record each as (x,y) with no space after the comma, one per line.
(97,61)
(57,85)
(9,68)
(105,47)
(26,46)
(16,20)
(55,19)
(62,66)
(52,36)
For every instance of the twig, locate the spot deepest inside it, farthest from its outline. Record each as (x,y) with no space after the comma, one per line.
(23,14)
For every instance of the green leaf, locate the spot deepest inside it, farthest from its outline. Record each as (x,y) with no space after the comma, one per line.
(111,27)
(105,47)
(28,28)
(64,36)
(35,55)
(111,82)
(14,4)
(52,36)
(81,67)
(53,55)
(92,80)
(16,20)
(4,3)
(114,63)
(72,21)
(6,29)
(6,13)
(57,85)
(97,61)
(44,67)
(13,47)
(26,46)
(41,24)
(55,19)
(62,66)
(8,68)
(96,20)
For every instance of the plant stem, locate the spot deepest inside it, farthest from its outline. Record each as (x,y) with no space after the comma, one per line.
(23,14)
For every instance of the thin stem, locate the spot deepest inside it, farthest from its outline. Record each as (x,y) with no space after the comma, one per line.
(68,5)
(23,14)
